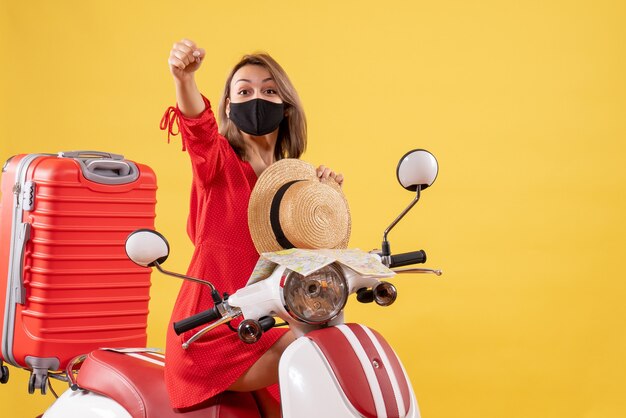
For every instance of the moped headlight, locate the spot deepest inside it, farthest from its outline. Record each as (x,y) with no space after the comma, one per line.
(318,297)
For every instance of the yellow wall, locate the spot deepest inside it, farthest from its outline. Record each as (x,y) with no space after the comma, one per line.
(522,102)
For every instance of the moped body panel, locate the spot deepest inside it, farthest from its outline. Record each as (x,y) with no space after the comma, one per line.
(344,371)
(85,404)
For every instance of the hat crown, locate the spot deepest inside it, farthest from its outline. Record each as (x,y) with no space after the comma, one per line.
(314,215)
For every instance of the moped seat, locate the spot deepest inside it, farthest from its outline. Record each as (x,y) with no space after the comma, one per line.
(135,381)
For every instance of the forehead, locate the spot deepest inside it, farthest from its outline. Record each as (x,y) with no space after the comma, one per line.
(254,73)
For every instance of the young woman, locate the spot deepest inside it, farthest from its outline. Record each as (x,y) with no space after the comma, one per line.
(261,121)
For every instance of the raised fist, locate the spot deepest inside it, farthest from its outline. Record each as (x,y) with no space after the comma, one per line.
(185,58)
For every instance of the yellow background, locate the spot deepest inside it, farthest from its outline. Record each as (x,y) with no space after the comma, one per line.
(522,102)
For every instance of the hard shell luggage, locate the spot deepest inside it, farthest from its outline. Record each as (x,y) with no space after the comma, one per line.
(65,280)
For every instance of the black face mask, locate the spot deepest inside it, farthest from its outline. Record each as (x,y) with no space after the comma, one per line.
(257,116)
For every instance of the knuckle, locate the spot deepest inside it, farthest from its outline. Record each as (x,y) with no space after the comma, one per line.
(177,63)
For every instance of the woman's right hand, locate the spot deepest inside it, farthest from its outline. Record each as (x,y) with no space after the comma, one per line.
(185,58)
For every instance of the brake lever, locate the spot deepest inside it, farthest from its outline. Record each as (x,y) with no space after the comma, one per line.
(436,272)
(228,316)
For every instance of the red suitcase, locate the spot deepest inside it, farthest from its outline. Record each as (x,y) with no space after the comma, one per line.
(66,282)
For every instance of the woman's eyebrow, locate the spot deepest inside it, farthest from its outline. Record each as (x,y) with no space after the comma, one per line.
(250,81)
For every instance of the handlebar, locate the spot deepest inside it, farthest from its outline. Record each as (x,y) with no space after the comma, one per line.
(404,259)
(202,318)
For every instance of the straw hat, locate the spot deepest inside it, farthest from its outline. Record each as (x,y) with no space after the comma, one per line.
(291,208)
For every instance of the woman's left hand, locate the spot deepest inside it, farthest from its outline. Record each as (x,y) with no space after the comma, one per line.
(325,173)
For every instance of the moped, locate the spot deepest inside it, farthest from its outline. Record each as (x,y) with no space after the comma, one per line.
(332,369)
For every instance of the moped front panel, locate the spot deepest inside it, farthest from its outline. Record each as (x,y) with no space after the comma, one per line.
(344,371)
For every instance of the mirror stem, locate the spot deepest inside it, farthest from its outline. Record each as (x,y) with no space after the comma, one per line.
(181,276)
(385,246)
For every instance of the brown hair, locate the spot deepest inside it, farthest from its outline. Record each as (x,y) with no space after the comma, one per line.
(291,141)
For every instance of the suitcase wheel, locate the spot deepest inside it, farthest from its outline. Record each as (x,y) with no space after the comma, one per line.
(38,381)
(4,374)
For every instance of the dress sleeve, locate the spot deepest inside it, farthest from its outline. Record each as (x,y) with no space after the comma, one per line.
(200,137)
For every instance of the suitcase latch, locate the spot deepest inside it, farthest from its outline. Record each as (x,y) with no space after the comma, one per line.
(28,196)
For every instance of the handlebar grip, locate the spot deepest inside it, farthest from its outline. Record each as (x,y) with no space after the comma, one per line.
(365,295)
(404,259)
(202,318)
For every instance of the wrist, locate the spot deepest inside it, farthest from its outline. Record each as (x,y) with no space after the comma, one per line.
(186,83)
(188,97)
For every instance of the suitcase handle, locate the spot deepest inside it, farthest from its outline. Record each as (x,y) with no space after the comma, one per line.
(103,167)
(23,236)
(109,171)
(87,154)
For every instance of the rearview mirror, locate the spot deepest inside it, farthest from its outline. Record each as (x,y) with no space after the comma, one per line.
(146,247)
(416,171)
(417,168)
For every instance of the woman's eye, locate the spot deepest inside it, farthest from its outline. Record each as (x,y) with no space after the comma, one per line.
(270,91)
(242,92)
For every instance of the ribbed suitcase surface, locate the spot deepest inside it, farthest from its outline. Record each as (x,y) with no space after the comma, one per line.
(70,286)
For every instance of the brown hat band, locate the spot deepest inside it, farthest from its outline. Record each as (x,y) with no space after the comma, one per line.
(275,215)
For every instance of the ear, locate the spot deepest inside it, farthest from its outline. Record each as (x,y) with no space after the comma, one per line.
(227,110)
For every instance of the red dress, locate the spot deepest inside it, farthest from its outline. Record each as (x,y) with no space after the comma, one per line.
(224,254)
